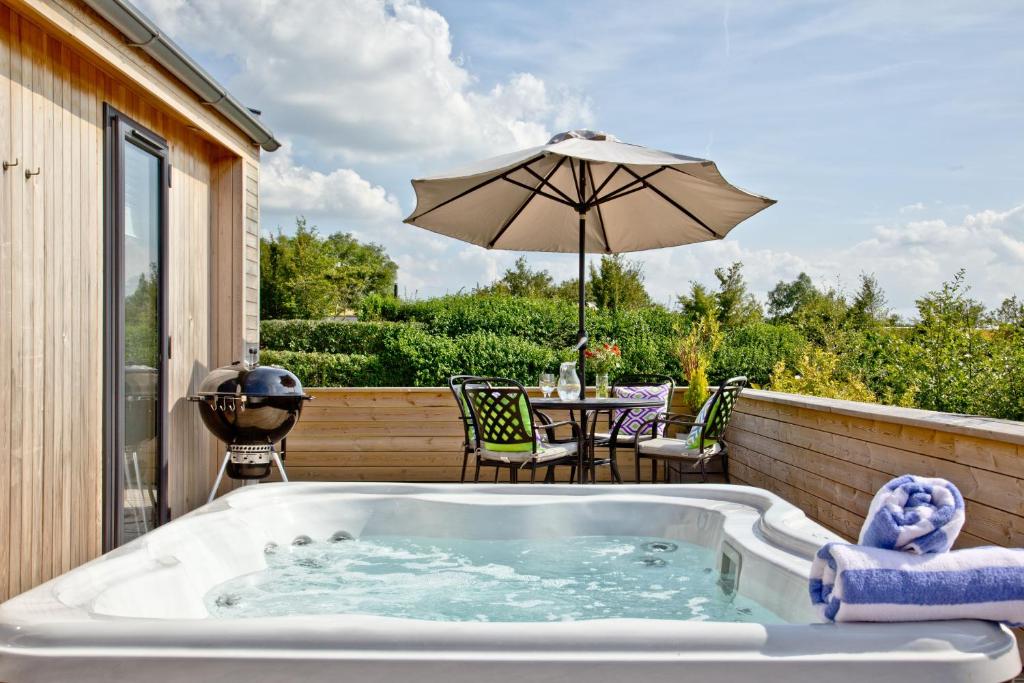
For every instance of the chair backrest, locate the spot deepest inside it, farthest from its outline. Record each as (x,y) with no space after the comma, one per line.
(716,412)
(456,383)
(641,386)
(502,414)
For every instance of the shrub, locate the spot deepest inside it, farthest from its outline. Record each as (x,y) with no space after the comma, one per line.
(328,336)
(755,350)
(818,374)
(379,307)
(416,358)
(328,369)
(484,353)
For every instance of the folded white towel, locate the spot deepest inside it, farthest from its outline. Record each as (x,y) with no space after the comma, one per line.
(914,514)
(858,583)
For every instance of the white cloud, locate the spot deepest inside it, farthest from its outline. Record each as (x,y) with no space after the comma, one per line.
(916,206)
(367,80)
(909,259)
(290,188)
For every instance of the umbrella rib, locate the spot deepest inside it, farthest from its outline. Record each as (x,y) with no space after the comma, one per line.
(575,181)
(544,181)
(619,195)
(522,207)
(537,190)
(673,202)
(630,187)
(476,187)
(597,190)
(600,216)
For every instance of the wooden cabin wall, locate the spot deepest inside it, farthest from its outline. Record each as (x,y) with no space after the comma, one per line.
(51,278)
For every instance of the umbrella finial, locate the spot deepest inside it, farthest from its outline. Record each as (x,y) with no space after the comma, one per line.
(583,134)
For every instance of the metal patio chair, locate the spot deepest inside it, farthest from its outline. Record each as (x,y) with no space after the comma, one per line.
(455,383)
(702,442)
(510,434)
(625,426)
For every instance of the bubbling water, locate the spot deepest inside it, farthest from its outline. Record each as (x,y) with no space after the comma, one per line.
(517,580)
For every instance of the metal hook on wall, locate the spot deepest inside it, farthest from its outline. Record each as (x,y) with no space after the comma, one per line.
(29,174)
(11,164)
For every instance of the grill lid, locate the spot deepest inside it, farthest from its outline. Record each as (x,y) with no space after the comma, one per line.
(240,379)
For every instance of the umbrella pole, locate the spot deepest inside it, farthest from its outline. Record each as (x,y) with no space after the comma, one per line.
(582,339)
(582,334)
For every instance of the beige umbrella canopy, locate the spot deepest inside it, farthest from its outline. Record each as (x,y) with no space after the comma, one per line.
(583,192)
(633,198)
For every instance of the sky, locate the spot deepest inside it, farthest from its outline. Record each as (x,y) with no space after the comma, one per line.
(891,133)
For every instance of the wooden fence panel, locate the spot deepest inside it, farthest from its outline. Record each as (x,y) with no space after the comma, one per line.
(393,434)
(829,457)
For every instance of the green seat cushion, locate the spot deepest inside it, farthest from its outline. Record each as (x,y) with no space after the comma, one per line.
(706,415)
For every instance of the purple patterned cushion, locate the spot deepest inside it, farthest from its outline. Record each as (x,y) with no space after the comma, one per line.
(636,417)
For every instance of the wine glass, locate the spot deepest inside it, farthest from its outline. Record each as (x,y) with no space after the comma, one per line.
(546,383)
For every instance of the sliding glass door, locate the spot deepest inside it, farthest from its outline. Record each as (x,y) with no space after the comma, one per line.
(135,471)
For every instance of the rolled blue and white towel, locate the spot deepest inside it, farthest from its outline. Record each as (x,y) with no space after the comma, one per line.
(914,514)
(859,583)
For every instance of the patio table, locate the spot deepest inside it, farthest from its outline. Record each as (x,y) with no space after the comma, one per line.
(592,405)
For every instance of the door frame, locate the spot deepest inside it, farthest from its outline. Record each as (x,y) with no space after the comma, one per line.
(116,129)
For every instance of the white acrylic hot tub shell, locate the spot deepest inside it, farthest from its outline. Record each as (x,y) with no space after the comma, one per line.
(138,613)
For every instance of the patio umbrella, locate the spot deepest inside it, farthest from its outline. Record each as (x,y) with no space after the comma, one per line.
(584,192)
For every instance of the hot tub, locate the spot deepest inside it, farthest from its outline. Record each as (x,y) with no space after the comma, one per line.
(143,612)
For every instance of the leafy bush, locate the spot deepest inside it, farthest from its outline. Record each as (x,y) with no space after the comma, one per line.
(328,369)
(754,350)
(818,374)
(328,336)
(379,307)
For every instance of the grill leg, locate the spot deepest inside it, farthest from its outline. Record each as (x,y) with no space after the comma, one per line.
(280,465)
(220,475)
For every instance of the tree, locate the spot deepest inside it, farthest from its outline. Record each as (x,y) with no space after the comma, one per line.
(700,303)
(787,297)
(951,351)
(869,305)
(1010,313)
(732,304)
(521,280)
(736,306)
(569,290)
(306,276)
(619,284)
(359,269)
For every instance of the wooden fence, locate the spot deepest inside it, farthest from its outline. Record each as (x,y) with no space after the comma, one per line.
(829,457)
(826,456)
(394,434)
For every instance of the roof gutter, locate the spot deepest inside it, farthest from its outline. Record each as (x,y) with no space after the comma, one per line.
(144,34)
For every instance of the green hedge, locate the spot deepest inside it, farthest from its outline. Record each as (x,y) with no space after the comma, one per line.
(550,322)
(422,343)
(328,336)
(328,369)
(753,350)
(413,357)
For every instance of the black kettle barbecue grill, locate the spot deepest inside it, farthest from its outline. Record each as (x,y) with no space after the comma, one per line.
(250,407)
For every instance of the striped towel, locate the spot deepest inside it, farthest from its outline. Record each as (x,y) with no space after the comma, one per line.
(857,583)
(914,514)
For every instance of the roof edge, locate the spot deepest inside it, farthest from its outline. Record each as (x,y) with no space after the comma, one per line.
(145,35)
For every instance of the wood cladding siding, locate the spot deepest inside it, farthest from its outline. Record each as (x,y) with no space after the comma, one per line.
(52,93)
